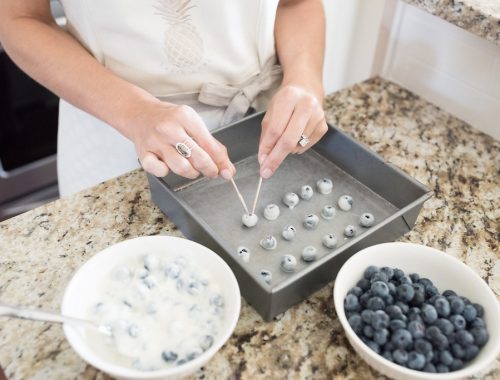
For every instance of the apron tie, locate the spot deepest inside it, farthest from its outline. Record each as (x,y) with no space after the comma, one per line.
(238,100)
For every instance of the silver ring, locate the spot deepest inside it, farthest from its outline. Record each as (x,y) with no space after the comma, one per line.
(303,141)
(185,148)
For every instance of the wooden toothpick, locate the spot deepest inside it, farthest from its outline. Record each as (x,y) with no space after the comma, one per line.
(256,195)
(240,196)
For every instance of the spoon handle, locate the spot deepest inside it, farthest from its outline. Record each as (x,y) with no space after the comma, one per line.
(45,316)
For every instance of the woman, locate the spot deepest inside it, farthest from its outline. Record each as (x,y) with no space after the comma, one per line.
(150,78)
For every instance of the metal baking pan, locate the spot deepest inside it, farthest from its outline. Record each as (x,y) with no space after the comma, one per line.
(208,211)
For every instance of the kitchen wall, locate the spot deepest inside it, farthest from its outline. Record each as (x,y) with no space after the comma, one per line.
(448,66)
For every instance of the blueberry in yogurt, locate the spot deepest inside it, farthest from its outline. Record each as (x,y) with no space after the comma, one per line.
(289,232)
(405,319)
(324,186)
(311,221)
(345,202)
(306,192)
(328,212)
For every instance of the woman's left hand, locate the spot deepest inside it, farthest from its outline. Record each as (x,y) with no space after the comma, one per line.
(294,111)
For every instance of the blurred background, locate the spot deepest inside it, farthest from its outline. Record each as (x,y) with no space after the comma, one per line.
(454,69)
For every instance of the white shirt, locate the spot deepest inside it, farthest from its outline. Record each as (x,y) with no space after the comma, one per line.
(169,48)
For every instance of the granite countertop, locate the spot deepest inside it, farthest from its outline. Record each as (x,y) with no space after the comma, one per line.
(481,17)
(40,250)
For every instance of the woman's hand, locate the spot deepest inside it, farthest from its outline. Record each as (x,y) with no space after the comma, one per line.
(293,111)
(157,127)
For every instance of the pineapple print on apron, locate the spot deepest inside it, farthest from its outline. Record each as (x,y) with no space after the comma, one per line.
(183,45)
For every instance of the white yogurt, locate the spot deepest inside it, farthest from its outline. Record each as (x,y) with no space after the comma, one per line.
(163,312)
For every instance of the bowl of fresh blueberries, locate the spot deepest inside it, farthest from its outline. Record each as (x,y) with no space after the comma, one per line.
(414,312)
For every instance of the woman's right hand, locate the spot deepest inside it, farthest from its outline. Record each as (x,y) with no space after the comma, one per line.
(155,129)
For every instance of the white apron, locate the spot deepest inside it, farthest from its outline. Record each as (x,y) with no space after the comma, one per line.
(217,56)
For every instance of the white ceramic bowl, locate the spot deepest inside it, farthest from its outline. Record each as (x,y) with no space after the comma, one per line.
(83,290)
(445,272)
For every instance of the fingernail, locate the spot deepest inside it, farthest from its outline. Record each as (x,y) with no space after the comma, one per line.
(226,174)
(266,173)
(262,158)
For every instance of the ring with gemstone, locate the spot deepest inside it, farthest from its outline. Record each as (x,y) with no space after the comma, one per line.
(185,148)
(303,141)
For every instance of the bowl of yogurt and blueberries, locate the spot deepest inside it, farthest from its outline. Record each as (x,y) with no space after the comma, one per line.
(169,303)
(413,312)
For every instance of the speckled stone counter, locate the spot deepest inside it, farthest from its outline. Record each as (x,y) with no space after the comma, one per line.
(40,250)
(481,17)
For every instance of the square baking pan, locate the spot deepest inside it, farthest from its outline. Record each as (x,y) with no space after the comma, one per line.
(209,212)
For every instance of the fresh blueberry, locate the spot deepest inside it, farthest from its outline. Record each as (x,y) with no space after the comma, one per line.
(441,368)
(388,355)
(416,360)
(480,335)
(416,329)
(429,313)
(169,356)
(357,291)
(388,299)
(466,300)
(415,314)
(396,324)
(415,277)
(363,300)
(432,332)
(445,326)
(394,311)
(418,298)
(351,303)
(375,303)
(380,320)
(423,346)
(449,293)
(381,336)
(367,315)
(469,313)
(446,357)
(431,291)
(425,282)
(403,306)
(364,284)
(379,276)
(356,323)
(479,309)
(442,306)
(370,271)
(398,273)
(379,289)
(464,337)
(368,331)
(400,356)
(440,341)
(456,365)
(392,288)
(389,272)
(430,368)
(458,322)
(374,346)
(478,322)
(401,338)
(405,292)
(470,352)
(456,305)
(458,351)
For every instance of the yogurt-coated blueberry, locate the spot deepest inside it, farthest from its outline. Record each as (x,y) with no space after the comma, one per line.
(309,253)
(269,242)
(266,275)
(151,262)
(291,200)
(289,232)
(328,212)
(345,202)
(169,356)
(206,342)
(243,253)
(366,220)
(288,263)
(249,220)
(324,185)
(271,212)
(172,270)
(121,274)
(349,231)
(306,192)
(329,240)
(311,221)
